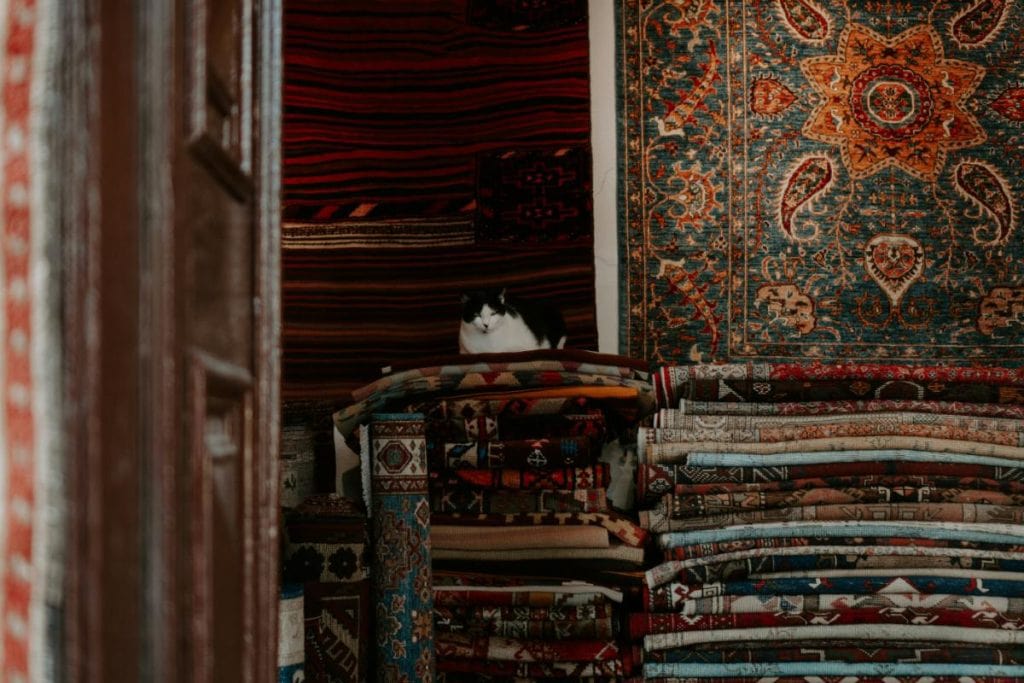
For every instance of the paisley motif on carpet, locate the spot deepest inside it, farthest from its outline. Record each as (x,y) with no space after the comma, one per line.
(821,180)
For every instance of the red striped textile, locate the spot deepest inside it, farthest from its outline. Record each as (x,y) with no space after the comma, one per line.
(428,149)
(349,313)
(389,103)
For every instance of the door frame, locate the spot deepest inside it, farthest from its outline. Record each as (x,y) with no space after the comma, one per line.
(126,603)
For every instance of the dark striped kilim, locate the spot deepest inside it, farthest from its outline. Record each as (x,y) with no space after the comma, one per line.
(389,103)
(349,313)
(429,148)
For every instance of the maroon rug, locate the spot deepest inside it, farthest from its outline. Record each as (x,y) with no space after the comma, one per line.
(428,149)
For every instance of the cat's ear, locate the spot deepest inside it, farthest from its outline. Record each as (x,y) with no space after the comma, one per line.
(464,298)
(501,296)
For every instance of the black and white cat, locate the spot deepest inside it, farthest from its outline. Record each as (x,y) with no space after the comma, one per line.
(493,322)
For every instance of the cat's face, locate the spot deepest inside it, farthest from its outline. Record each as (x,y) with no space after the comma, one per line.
(484,310)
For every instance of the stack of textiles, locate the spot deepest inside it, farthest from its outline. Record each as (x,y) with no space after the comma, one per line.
(325,552)
(513,627)
(852,522)
(532,562)
(513,493)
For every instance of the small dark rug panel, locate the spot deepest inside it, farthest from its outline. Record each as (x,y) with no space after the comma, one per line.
(429,148)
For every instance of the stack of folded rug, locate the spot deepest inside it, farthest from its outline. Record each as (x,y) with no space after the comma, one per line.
(519,508)
(504,627)
(861,523)
(531,560)
(326,554)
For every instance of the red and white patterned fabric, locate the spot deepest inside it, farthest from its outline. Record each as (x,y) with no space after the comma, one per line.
(29,362)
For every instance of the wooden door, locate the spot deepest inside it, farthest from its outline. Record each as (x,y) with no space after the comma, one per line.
(173,281)
(225,349)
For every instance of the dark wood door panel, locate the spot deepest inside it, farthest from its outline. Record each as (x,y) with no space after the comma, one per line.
(221,268)
(166,135)
(166,139)
(221,284)
(219,89)
(222,459)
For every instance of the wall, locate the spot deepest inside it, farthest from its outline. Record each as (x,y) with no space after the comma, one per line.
(603,130)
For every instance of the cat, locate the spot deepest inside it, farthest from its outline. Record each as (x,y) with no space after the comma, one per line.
(493,322)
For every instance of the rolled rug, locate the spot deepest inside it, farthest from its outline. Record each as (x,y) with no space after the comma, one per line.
(291,635)
(400,520)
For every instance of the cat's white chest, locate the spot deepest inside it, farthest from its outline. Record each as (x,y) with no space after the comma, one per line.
(511,335)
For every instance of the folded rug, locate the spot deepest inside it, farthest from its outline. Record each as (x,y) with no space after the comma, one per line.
(742,564)
(845,670)
(590,424)
(980,575)
(817,381)
(871,454)
(682,423)
(576,388)
(852,543)
(657,521)
(655,480)
(506,370)
(831,602)
(564,478)
(567,359)
(291,655)
(326,539)
(557,379)
(466,499)
(616,552)
(453,537)
(456,410)
(614,523)
(588,622)
(888,481)
(569,451)
(818,652)
(565,594)
(824,431)
(676,452)
(338,631)
(816,678)
(498,648)
(477,671)
(987,533)
(642,624)
(669,596)
(480,423)
(882,633)
(666,417)
(697,505)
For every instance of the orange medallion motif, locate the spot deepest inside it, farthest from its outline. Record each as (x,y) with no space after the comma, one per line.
(893,102)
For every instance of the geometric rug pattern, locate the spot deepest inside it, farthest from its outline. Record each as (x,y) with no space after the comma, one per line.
(803,537)
(401,571)
(326,553)
(821,180)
